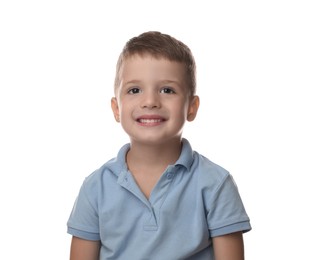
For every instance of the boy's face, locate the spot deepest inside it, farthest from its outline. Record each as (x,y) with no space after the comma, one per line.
(152,100)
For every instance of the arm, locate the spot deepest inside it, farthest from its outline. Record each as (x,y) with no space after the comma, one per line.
(84,249)
(229,247)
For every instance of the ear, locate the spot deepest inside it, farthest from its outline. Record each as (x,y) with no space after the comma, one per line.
(193,108)
(115,108)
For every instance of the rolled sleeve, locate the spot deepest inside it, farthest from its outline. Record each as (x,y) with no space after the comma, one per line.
(226,212)
(84,221)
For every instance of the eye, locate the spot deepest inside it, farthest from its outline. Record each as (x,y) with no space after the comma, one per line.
(134,91)
(167,90)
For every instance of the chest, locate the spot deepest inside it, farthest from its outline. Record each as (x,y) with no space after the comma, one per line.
(173,209)
(146,181)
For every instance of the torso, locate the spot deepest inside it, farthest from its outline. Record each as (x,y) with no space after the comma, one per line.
(146,180)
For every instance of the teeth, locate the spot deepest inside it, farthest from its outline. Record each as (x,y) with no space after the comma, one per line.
(150,121)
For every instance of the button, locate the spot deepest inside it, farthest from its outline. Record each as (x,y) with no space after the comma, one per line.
(169,175)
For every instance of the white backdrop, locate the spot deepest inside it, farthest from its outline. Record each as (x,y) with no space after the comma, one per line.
(258,65)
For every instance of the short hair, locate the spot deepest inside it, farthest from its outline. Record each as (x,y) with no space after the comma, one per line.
(160,45)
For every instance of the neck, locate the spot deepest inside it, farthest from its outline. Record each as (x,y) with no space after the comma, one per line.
(149,155)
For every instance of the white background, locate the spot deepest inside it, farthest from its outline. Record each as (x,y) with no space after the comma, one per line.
(258,66)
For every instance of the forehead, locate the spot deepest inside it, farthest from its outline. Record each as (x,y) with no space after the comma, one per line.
(147,66)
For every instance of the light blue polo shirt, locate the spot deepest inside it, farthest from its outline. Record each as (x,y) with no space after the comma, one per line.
(193,201)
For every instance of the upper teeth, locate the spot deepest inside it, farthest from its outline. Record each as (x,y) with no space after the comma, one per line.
(150,120)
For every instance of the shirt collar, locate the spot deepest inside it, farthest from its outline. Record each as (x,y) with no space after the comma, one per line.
(186,158)
(118,164)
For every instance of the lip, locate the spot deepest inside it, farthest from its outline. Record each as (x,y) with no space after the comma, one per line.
(150,120)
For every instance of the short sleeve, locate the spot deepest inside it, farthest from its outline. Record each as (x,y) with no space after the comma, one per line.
(226,213)
(84,221)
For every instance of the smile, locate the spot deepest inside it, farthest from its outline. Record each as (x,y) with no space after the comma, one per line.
(150,120)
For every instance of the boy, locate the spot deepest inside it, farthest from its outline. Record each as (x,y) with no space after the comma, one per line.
(158,199)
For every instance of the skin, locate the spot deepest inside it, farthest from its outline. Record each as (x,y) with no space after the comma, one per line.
(152,103)
(84,249)
(153,88)
(229,247)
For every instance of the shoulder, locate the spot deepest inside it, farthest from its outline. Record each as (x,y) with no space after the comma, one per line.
(103,174)
(212,179)
(208,171)
(108,172)
(203,171)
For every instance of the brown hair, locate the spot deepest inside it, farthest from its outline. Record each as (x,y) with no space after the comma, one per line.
(160,46)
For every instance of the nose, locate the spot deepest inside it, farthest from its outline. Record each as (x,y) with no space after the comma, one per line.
(151,100)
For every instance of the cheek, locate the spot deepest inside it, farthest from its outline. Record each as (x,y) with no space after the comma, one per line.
(180,110)
(125,108)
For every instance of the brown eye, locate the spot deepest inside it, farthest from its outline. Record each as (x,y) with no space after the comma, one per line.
(134,91)
(167,91)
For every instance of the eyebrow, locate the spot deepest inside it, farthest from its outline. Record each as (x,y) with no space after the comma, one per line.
(160,82)
(131,82)
(169,81)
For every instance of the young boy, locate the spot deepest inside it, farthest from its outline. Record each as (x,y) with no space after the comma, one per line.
(157,199)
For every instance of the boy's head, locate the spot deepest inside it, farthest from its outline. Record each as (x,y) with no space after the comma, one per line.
(159,45)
